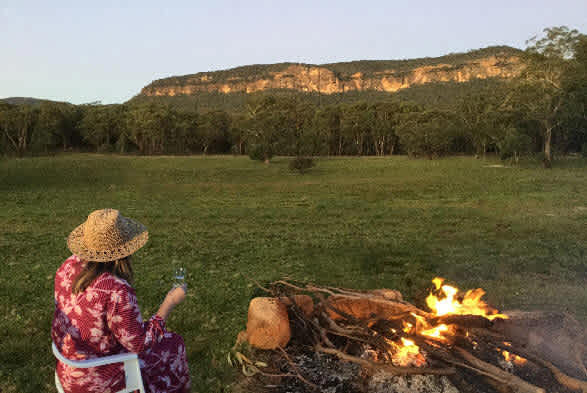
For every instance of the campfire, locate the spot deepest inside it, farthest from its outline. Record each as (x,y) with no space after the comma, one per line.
(332,339)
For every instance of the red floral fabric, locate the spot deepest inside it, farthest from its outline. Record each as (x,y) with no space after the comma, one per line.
(105,320)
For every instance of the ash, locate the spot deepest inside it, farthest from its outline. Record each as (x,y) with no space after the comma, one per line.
(332,375)
(327,372)
(384,383)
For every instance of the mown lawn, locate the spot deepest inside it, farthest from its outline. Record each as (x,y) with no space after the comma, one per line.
(518,232)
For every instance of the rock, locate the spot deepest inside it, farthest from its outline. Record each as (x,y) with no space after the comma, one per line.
(304,302)
(554,336)
(268,323)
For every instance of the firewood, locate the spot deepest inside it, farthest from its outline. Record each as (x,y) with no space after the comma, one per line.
(267,323)
(464,321)
(562,378)
(518,384)
(554,336)
(363,308)
(386,367)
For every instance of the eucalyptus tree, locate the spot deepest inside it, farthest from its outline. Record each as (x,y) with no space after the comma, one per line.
(214,129)
(429,133)
(327,126)
(262,123)
(103,126)
(357,122)
(541,90)
(17,124)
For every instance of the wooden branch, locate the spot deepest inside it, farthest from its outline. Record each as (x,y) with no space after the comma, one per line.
(334,326)
(386,367)
(519,385)
(465,321)
(562,378)
(289,285)
(257,283)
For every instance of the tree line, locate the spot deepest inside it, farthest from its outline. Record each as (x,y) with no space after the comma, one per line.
(542,111)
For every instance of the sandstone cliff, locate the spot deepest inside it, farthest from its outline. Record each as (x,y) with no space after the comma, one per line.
(327,79)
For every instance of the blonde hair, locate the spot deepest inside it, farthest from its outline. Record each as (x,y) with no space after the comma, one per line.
(121,268)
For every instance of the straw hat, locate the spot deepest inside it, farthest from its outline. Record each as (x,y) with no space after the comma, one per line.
(107,236)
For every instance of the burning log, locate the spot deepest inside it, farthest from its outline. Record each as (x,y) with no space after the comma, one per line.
(554,336)
(491,371)
(386,367)
(364,308)
(463,321)
(565,380)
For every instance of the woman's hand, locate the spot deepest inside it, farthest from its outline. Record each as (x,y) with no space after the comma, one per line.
(174,297)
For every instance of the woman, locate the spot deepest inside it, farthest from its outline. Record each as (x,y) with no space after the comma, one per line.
(96,311)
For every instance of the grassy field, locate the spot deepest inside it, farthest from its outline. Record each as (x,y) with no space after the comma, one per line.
(518,232)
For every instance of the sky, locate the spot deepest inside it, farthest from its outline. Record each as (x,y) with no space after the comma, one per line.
(85,51)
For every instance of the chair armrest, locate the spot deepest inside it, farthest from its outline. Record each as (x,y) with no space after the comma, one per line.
(120,358)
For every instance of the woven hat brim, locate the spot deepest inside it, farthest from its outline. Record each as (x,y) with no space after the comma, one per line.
(137,239)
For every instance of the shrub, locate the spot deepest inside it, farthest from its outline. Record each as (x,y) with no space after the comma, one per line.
(301,164)
(514,144)
(584,149)
(104,148)
(260,153)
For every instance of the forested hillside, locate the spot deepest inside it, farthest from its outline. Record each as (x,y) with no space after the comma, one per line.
(541,110)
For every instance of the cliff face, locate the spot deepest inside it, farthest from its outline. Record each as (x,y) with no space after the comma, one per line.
(323,79)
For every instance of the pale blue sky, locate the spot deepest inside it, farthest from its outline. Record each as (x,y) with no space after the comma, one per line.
(109,50)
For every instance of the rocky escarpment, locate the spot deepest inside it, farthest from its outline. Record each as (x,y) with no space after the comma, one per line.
(328,79)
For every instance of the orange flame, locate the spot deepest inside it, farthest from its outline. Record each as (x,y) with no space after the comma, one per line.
(517,360)
(406,354)
(470,305)
(448,304)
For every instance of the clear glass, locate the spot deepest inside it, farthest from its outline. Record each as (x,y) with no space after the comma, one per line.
(179,276)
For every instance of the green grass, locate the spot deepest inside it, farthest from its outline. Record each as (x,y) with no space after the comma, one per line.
(518,232)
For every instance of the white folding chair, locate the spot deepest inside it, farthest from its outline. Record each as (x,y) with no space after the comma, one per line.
(132,371)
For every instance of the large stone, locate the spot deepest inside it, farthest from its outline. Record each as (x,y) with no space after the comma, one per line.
(268,323)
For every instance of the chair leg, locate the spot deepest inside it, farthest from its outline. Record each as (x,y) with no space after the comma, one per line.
(58,384)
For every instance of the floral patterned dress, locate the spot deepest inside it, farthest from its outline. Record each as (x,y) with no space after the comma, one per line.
(105,320)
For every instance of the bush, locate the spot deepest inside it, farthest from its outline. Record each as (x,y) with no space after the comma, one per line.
(260,152)
(584,149)
(301,164)
(514,144)
(104,148)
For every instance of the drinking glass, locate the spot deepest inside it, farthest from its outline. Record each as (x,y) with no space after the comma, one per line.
(179,276)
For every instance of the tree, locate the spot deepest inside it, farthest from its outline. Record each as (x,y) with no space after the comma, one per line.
(103,126)
(262,122)
(541,92)
(357,123)
(483,117)
(214,128)
(238,133)
(513,144)
(386,120)
(574,114)
(327,125)
(429,133)
(17,124)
